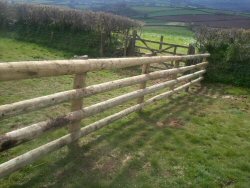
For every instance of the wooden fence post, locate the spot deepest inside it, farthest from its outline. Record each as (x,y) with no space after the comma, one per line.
(132,43)
(175,76)
(79,82)
(191,51)
(161,42)
(125,43)
(145,70)
(102,44)
(175,50)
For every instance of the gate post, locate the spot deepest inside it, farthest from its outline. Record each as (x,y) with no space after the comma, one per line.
(74,127)
(175,50)
(132,43)
(161,42)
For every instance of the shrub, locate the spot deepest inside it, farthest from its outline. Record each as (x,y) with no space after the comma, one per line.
(230,54)
(32,22)
(3,13)
(44,15)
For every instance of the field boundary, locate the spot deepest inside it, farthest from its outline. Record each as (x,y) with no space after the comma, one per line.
(164,47)
(190,74)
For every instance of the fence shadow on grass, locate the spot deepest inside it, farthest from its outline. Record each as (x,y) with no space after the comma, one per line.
(115,153)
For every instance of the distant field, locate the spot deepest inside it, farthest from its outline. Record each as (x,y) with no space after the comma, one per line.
(175,35)
(216,20)
(192,16)
(159,11)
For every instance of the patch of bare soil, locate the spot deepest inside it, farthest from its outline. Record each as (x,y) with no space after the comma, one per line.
(173,123)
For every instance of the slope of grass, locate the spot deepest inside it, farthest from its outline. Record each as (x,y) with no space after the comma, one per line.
(12,50)
(73,42)
(200,139)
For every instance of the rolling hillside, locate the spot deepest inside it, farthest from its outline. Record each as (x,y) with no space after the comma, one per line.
(239,5)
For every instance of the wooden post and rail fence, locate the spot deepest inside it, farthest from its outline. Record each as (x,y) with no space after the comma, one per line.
(159,47)
(79,68)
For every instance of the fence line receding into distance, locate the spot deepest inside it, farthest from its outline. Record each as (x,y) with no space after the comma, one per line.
(186,76)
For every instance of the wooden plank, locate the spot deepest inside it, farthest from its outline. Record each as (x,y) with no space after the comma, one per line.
(165,49)
(35,154)
(164,43)
(146,45)
(25,134)
(157,51)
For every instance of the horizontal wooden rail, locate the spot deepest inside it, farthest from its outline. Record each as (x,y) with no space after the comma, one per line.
(158,51)
(36,69)
(31,156)
(164,43)
(9,110)
(25,134)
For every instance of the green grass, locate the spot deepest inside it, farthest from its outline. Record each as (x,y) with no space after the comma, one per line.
(152,11)
(71,42)
(174,35)
(200,139)
(12,50)
(168,11)
(148,14)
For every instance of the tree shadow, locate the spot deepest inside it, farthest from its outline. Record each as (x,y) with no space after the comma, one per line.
(115,152)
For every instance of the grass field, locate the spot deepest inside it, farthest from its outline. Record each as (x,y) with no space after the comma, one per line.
(165,15)
(200,139)
(163,11)
(175,35)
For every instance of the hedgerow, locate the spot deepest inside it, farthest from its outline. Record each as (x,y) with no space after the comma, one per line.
(31,20)
(230,54)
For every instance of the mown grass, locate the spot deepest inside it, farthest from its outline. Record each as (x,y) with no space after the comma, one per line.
(200,139)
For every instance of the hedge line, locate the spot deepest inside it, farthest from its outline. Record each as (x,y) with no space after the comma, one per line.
(230,54)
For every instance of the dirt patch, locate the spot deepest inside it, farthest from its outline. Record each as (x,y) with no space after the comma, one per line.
(173,123)
(107,166)
(214,20)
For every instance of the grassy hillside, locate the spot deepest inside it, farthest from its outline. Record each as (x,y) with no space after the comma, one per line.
(201,139)
(12,50)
